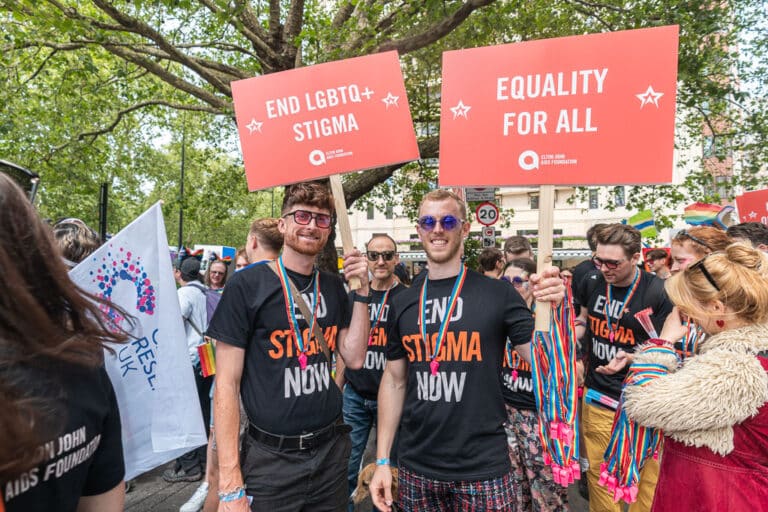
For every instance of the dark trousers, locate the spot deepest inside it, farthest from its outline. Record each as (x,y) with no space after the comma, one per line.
(194,461)
(297,481)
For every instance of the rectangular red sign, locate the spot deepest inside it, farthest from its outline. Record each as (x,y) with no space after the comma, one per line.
(326,119)
(583,110)
(753,206)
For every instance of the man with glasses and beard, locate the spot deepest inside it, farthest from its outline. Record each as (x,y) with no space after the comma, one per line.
(608,324)
(297,446)
(445,393)
(362,386)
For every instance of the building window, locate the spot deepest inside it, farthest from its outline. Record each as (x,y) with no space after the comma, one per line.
(618,196)
(532,235)
(389,213)
(593,203)
(370,212)
(534,201)
(415,243)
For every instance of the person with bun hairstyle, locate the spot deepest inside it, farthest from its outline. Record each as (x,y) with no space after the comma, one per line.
(712,410)
(60,436)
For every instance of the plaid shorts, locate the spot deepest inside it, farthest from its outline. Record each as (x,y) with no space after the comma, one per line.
(417,493)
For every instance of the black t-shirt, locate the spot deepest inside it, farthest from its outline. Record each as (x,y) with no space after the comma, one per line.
(86,458)
(629,333)
(518,392)
(366,380)
(278,395)
(452,423)
(583,273)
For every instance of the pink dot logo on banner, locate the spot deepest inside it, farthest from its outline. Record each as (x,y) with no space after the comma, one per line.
(118,266)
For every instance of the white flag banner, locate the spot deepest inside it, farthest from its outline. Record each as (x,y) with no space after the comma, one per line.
(152,374)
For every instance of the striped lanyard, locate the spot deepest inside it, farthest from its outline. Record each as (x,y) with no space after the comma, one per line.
(290,310)
(609,300)
(452,300)
(380,313)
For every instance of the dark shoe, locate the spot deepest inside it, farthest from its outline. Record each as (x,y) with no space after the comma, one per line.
(174,475)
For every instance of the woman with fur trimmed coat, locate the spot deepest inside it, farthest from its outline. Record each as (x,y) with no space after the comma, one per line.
(713,409)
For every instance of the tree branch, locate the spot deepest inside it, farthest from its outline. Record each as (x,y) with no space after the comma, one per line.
(275,28)
(343,14)
(136,26)
(357,185)
(436,31)
(294,22)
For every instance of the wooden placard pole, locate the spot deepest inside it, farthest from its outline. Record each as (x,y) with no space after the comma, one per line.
(343,217)
(544,255)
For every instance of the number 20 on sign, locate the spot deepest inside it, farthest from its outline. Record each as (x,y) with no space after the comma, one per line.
(487,214)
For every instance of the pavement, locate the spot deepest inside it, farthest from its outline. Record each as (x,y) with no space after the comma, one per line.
(153,494)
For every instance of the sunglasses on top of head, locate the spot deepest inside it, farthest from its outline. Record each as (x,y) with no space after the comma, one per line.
(375,255)
(448,222)
(303,217)
(609,264)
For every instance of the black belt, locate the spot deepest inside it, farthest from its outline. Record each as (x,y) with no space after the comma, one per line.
(308,441)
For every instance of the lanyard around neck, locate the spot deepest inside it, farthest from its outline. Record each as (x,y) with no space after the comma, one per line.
(290,310)
(379,313)
(627,298)
(452,300)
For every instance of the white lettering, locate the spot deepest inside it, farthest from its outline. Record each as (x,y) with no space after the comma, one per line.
(446,386)
(613,309)
(436,309)
(325,127)
(603,351)
(374,360)
(554,84)
(315,378)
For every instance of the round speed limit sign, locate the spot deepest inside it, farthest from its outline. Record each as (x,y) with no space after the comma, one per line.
(487,214)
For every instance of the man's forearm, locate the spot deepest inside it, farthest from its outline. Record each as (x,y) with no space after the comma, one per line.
(390,408)
(355,342)
(226,412)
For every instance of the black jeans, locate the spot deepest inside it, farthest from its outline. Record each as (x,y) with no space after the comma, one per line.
(194,461)
(295,481)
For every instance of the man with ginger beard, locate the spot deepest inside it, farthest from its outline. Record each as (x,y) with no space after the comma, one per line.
(297,446)
(445,394)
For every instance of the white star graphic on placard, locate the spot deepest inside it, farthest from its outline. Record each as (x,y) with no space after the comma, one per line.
(752,215)
(391,100)
(460,110)
(649,97)
(254,126)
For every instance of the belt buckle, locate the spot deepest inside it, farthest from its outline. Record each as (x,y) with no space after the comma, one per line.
(308,437)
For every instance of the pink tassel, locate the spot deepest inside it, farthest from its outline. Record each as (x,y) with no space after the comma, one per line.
(632,493)
(303,361)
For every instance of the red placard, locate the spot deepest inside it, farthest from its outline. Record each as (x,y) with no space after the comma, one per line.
(326,119)
(753,206)
(583,110)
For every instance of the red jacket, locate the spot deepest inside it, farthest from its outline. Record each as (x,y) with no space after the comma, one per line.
(693,478)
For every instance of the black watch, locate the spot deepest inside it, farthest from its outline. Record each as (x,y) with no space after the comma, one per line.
(365,299)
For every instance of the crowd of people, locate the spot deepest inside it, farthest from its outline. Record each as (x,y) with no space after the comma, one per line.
(441,369)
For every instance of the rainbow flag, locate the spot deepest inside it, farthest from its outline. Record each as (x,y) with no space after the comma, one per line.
(643,222)
(207,359)
(701,214)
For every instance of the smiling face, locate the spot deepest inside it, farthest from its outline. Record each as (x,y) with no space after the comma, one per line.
(441,245)
(304,239)
(217,271)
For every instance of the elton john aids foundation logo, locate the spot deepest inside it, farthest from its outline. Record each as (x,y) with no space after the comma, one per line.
(121,266)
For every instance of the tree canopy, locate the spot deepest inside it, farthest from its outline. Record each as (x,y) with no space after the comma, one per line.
(104,91)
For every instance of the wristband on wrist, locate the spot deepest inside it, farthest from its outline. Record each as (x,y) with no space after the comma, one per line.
(658,342)
(365,299)
(233,495)
(382,462)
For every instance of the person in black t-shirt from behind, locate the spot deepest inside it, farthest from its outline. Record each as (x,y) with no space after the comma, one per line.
(445,394)
(60,434)
(297,447)
(362,386)
(608,324)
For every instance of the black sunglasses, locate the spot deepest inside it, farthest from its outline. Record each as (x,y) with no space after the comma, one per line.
(609,264)
(699,265)
(694,238)
(374,255)
(449,222)
(303,217)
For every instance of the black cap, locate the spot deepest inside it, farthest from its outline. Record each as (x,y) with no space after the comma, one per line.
(190,269)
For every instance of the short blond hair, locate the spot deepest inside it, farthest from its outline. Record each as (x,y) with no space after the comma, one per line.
(741,273)
(443,194)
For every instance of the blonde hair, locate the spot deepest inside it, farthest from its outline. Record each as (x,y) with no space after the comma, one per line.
(443,194)
(741,273)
